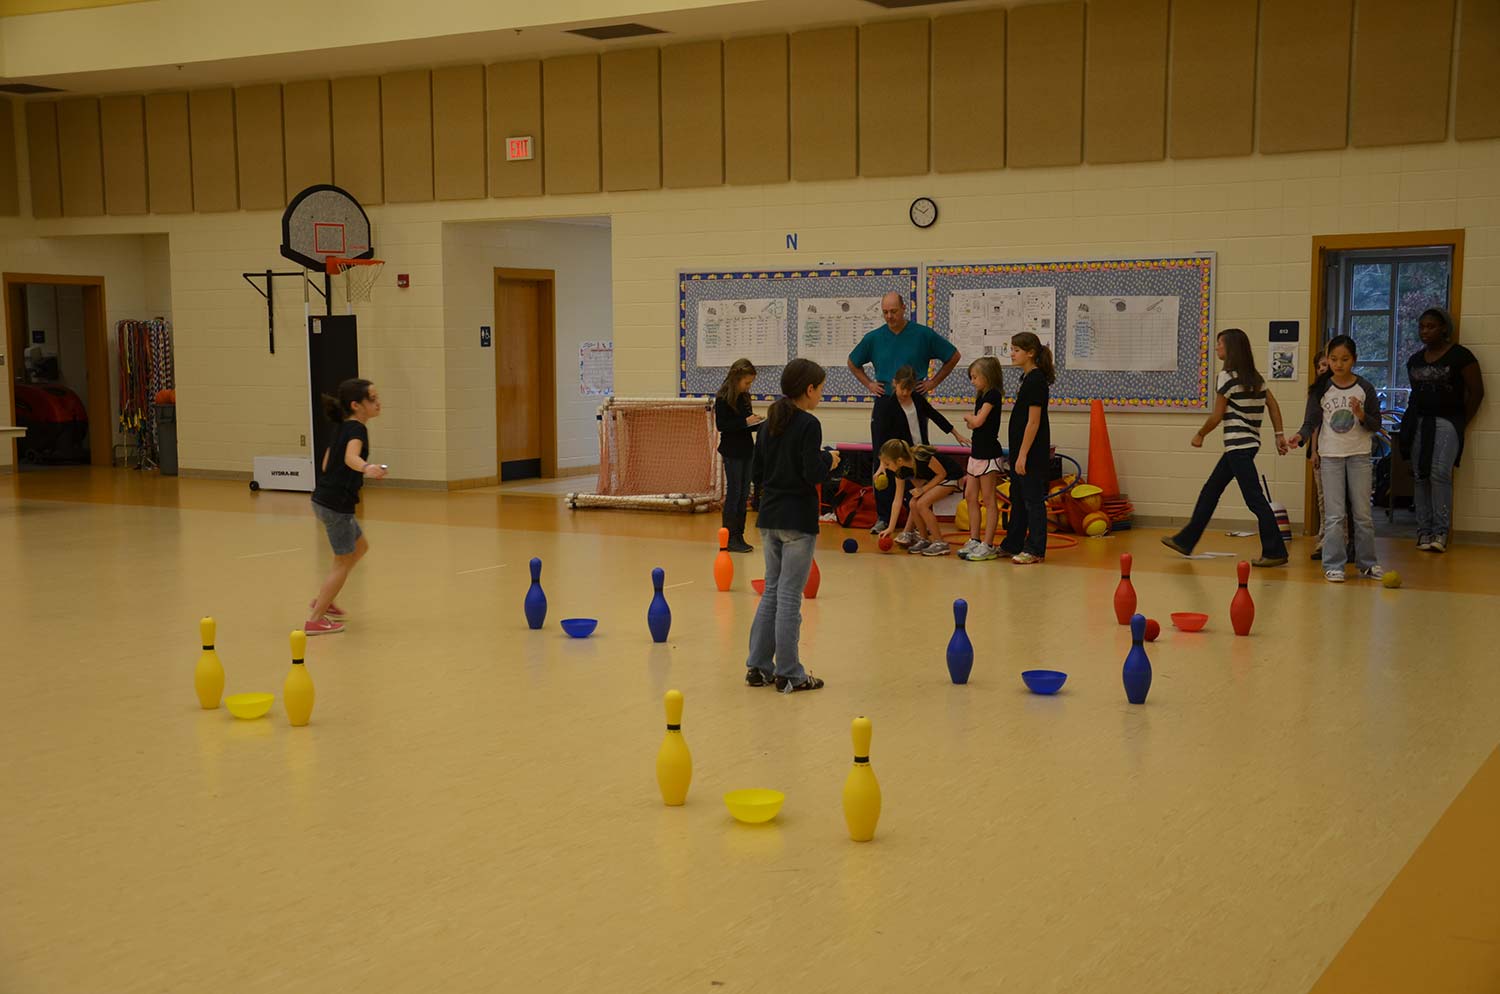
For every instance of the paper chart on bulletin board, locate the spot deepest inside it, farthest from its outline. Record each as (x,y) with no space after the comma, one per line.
(771,316)
(1133,333)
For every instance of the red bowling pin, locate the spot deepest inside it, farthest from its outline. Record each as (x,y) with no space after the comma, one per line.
(1242,608)
(723,564)
(814,579)
(1125,592)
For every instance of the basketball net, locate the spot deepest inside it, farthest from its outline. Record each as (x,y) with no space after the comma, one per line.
(359,277)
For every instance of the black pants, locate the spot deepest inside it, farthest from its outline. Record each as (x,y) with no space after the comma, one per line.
(1028,515)
(1240,467)
(736,493)
(883,498)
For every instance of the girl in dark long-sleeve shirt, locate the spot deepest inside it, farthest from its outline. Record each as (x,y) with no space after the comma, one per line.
(736,423)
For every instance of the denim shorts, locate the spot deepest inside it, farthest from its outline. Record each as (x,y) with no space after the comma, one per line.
(343,530)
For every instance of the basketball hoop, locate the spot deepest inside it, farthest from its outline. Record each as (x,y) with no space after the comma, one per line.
(359,276)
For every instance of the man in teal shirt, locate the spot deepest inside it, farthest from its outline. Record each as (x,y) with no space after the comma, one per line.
(897,343)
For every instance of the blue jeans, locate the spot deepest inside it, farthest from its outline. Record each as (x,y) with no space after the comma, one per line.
(1434,495)
(1240,467)
(778,621)
(1347,482)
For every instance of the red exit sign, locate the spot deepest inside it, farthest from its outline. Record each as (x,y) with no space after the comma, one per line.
(519,148)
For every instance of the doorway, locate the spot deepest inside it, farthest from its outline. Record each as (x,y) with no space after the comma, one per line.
(1373,288)
(60,370)
(525,373)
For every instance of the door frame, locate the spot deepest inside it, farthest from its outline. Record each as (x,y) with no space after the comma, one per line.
(1323,244)
(546,393)
(95,354)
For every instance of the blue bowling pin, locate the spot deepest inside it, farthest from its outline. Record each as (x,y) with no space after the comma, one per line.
(960,649)
(658,615)
(1137,672)
(536,601)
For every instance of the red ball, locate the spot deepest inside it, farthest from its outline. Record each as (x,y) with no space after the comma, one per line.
(1153,629)
(885,543)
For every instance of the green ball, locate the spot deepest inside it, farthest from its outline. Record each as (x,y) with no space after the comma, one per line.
(882,481)
(1391,579)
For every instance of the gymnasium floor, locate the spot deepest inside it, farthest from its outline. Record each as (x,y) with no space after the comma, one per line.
(473,807)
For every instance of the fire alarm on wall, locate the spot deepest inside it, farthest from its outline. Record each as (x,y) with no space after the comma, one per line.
(403,280)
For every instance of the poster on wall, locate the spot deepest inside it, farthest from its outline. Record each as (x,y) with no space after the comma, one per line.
(596,369)
(828,328)
(754,328)
(1283,361)
(1122,333)
(982,322)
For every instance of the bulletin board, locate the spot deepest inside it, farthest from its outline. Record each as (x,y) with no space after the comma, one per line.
(1133,333)
(772,316)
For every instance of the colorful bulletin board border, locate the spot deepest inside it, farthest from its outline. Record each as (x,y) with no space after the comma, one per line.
(793,284)
(1188,278)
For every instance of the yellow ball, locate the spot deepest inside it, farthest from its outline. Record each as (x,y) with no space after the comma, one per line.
(1096,524)
(882,481)
(1391,579)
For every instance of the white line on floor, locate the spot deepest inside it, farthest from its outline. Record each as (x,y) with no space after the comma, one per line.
(262,555)
(684,583)
(482,569)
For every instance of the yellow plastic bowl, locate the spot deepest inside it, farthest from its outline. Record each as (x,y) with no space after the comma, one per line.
(754,805)
(249,705)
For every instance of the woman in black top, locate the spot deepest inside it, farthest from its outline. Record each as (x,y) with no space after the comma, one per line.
(1446,390)
(905,414)
(1030,451)
(788,466)
(736,423)
(341,474)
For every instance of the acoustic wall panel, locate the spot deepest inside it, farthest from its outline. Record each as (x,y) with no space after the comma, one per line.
(514,101)
(968,91)
(893,98)
(692,114)
(211,133)
(630,119)
(1477,114)
(1044,85)
(458,133)
(824,105)
(570,117)
(122,131)
(42,159)
(755,110)
(10,180)
(169,157)
(1304,74)
(357,162)
(308,129)
(1212,109)
(1126,81)
(406,136)
(1390,103)
(258,139)
(81,157)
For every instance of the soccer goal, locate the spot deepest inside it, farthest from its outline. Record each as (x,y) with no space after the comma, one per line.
(657,454)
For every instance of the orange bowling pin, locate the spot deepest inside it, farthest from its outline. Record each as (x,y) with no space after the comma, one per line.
(1242,608)
(723,562)
(1125,592)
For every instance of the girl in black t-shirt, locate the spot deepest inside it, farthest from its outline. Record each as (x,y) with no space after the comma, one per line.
(342,473)
(1030,451)
(984,459)
(737,424)
(931,478)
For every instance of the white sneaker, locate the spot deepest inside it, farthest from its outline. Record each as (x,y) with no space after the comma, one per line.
(906,538)
(968,547)
(918,547)
(937,549)
(1333,576)
(1439,543)
(1372,572)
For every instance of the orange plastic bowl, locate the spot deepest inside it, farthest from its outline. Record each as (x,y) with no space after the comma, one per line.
(1189,621)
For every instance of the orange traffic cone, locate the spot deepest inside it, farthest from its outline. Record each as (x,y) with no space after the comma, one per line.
(1101,458)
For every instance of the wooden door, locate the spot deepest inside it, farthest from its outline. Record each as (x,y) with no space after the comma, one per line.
(518,435)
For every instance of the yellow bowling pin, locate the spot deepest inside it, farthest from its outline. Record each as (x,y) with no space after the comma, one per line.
(208,675)
(297,692)
(674,764)
(861,790)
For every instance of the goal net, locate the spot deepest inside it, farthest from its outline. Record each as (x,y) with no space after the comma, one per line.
(657,455)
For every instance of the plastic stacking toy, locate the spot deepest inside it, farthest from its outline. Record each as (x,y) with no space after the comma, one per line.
(579,628)
(1137,670)
(1391,580)
(1096,524)
(1242,607)
(297,692)
(814,581)
(850,545)
(1153,629)
(1124,592)
(723,562)
(536,600)
(674,764)
(658,615)
(754,805)
(960,649)
(861,789)
(759,586)
(208,675)
(1189,621)
(249,706)
(885,543)
(1044,682)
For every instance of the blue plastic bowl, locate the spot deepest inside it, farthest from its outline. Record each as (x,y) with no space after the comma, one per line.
(580,628)
(1044,681)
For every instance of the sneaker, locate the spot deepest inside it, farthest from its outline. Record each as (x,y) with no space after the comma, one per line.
(1170,541)
(758,678)
(809,682)
(322,626)
(918,547)
(740,545)
(937,549)
(334,612)
(907,538)
(1025,559)
(968,547)
(1333,576)
(1439,544)
(982,553)
(879,527)
(1372,572)
(1267,561)
(1424,542)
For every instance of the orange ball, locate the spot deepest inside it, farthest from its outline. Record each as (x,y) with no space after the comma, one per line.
(885,543)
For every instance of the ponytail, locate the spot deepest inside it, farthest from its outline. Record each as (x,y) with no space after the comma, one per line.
(350,392)
(797,377)
(1040,354)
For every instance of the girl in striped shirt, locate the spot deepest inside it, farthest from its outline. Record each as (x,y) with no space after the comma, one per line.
(1241,404)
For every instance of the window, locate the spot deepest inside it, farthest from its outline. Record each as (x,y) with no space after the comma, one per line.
(1381,294)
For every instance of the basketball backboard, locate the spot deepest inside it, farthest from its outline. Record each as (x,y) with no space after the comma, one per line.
(324,221)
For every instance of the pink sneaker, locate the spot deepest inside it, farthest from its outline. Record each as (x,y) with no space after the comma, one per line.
(334,612)
(322,626)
